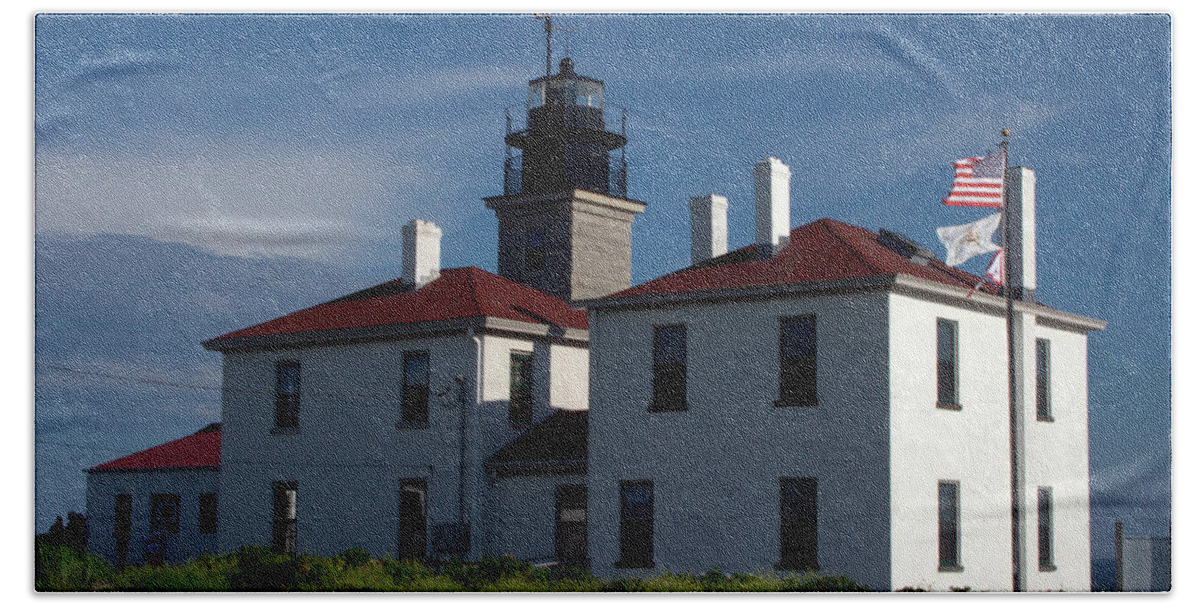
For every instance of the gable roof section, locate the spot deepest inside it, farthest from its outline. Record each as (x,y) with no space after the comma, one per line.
(459,293)
(200,450)
(823,250)
(558,444)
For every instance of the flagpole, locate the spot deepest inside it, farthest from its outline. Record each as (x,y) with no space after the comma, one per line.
(1015,480)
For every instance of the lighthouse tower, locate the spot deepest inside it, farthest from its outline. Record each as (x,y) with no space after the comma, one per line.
(565,222)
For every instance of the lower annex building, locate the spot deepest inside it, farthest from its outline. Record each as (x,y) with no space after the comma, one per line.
(824,399)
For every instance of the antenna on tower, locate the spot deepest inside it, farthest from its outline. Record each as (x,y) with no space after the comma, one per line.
(549,27)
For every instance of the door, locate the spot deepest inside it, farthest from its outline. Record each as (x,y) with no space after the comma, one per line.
(570,530)
(411,535)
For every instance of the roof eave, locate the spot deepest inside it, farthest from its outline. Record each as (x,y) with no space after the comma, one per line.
(97,469)
(397,331)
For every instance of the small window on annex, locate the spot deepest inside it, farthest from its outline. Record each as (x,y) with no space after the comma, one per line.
(208,513)
(1043,380)
(797,362)
(520,389)
(287,394)
(949,556)
(947,363)
(670,369)
(414,406)
(164,513)
(637,525)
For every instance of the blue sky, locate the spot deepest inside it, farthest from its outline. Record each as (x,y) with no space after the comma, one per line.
(314,138)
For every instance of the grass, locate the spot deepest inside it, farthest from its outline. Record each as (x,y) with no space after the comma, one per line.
(259,569)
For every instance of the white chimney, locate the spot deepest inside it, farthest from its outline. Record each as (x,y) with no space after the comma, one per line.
(710,226)
(772,202)
(422,258)
(1021,271)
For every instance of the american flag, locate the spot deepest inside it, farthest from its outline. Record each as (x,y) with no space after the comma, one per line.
(978,181)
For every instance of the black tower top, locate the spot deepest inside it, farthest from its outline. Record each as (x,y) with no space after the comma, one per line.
(565,144)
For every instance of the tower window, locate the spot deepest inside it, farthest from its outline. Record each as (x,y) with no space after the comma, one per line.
(535,251)
(1045,529)
(949,556)
(208,513)
(1043,380)
(283,528)
(637,525)
(520,385)
(798,523)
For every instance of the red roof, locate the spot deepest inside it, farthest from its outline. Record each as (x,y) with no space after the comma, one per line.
(459,293)
(823,250)
(201,449)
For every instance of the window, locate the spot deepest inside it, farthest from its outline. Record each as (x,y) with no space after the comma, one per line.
(535,251)
(123,516)
(520,389)
(287,394)
(797,362)
(412,536)
(948,528)
(637,525)
(670,369)
(798,523)
(208,513)
(1043,380)
(283,529)
(1045,530)
(947,363)
(414,405)
(570,528)
(164,513)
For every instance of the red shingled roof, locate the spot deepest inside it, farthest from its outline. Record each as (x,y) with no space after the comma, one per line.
(201,449)
(457,294)
(823,250)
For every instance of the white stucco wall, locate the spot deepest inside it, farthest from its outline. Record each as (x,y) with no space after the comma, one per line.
(189,484)
(932,444)
(349,456)
(716,467)
(1056,456)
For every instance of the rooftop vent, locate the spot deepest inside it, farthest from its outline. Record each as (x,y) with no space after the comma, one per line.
(905,246)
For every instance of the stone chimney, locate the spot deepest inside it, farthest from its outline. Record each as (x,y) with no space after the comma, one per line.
(422,258)
(1021,271)
(772,203)
(710,226)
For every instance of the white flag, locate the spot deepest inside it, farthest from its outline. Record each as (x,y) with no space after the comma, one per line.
(966,241)
(995,270)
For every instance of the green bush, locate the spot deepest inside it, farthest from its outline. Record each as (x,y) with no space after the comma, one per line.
(60,568)
(355,557)
(205,573)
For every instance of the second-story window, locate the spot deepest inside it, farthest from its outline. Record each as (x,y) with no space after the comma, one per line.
(415,399)
(670,369)
(535,251)
(520,384)
(1043,380)
(798,361)
(287,394)
(947,364)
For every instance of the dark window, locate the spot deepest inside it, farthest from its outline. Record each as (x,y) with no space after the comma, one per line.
(947,362)
(1045,529)
(637,525)
(412,534)
(208,513)
(948,530)
(520,389)
(670,369)
(535,251)
(1043,380)
(798,523)
(570,529)
(415,400)
(798,361)
(164,513)
(287,394)
(123,516)
(283,529)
